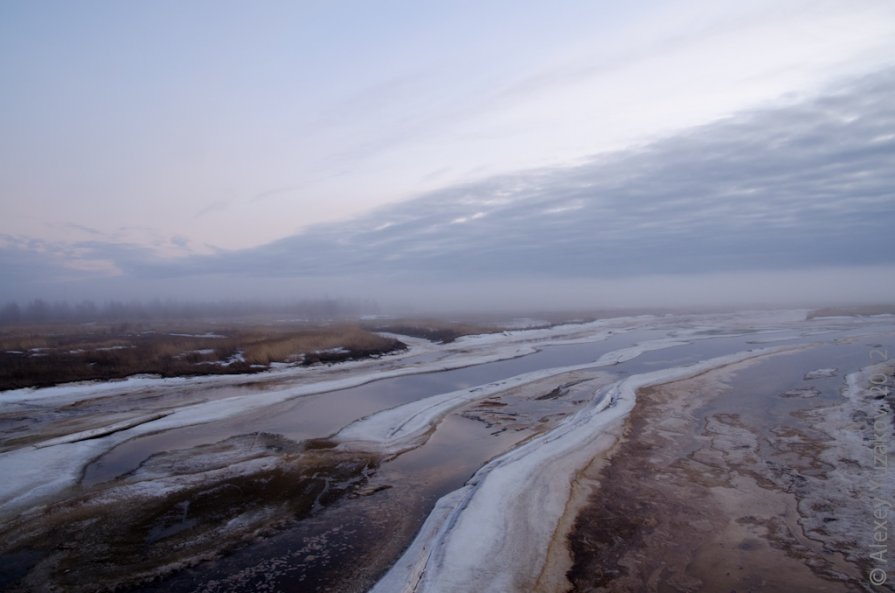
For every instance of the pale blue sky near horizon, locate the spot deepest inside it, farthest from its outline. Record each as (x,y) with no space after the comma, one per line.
(142,138)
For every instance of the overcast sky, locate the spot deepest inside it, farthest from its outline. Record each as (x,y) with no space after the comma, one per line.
(180,148)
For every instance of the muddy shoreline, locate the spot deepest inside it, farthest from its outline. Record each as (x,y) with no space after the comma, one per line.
(697,497)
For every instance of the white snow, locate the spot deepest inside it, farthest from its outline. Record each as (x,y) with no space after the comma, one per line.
(339,350)
(32,474)
(205,335)
(821,373)
(202,351)
(239,356)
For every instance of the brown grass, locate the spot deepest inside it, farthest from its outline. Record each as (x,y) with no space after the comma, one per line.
(40,356)
(852,311)
(434,330)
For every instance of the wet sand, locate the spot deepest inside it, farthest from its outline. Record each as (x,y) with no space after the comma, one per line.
(702,495)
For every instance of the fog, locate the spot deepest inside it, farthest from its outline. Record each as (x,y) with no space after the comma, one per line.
(800,289)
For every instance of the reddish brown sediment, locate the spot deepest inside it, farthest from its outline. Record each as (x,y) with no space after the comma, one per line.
(687,503)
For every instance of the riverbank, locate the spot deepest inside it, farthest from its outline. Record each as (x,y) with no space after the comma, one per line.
(698,496)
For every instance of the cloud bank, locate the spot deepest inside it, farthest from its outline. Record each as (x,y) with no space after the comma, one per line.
(806,189)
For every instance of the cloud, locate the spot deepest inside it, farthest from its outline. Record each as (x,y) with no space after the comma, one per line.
(84,228)
(275,192)
(806,185)
(214,207)
(809,186)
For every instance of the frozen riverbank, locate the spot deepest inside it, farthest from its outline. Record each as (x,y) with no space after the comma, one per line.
(500,427)
(494,534)
(48,465)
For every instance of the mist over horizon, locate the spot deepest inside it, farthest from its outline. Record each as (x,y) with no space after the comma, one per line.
(851,287)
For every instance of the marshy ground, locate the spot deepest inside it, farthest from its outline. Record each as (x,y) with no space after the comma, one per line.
(38,356)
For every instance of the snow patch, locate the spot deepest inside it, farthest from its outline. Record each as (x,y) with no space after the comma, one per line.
(205,335)
(821,373)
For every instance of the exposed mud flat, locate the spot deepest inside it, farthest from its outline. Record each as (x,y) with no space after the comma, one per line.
(698,497)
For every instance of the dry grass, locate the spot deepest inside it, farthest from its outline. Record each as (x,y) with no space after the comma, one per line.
(264,349)
(432,329)
(852,311)
(47,355)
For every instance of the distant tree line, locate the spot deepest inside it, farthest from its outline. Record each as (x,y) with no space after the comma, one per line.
(41,311)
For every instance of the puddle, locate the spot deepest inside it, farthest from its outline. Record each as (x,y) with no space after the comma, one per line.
(773,396)
(771,392)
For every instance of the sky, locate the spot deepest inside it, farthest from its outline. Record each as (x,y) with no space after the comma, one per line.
(459,152)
